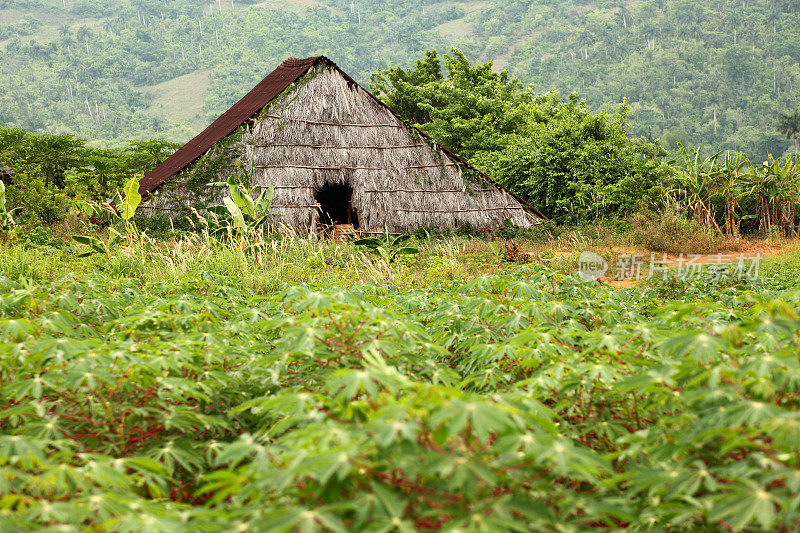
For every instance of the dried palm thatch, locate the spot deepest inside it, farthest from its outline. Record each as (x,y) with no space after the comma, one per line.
(325,130)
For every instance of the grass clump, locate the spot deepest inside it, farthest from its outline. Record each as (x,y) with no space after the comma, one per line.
(669,232)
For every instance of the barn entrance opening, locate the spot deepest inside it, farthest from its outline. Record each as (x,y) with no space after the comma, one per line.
(336,206)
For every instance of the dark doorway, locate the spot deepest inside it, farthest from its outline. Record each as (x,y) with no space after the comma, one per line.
(336,203)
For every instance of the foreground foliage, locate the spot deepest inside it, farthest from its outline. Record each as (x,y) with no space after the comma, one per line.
(526,400)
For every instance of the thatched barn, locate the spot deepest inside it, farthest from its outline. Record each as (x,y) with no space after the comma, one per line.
(333,153)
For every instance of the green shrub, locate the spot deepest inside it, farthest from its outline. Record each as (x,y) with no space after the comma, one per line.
(574,164)
(42,236)
(37,200)
(162,225)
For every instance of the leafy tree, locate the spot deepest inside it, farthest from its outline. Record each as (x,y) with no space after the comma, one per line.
(575,164)
(789,125)
(467,110)
(53,155)
(144,156)
(401,88)
(569,162)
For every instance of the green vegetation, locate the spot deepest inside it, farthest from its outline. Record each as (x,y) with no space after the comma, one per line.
(764,197)
(204,373)
(716,74)
(49,175)
(569,162)
(168,389)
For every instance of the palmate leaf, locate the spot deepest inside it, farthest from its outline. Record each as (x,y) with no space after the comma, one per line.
(785,432)
(485,418)
(744,504)
(178,452)
(351,383)
(26,449)
(699,345)
(17,330)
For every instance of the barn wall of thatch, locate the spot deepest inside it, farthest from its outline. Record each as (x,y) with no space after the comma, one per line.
(324,130)
(330,131)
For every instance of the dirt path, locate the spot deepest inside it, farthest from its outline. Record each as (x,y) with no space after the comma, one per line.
(747,251)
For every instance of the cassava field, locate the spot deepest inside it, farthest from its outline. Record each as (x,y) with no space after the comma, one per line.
(181,386)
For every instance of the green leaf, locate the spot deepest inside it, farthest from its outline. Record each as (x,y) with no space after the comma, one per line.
(97,245)
(264,201)
(235,213)
(132,199)
(369,242)
(745,504)
(400,240)
(239,197)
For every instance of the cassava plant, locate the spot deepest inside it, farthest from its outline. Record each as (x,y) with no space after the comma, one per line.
(523,401)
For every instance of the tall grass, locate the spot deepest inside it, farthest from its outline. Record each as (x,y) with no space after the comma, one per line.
(283,261)
(670,232)
(290,260)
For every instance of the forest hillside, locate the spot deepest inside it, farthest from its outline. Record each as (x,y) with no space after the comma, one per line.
(709,72)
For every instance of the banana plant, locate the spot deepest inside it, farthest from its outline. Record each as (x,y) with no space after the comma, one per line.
(729,186)
(697,186)
(776,186)
(123,209)
(6,216)
(248,215)
(97,246)
(387,247)
(786,180)
(241,216)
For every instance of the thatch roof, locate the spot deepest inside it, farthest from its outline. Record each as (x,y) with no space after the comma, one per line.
(309,125)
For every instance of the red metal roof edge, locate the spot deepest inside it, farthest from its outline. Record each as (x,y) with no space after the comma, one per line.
(254,101)
(267,89)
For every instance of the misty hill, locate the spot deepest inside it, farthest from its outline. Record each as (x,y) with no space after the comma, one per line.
(710,72)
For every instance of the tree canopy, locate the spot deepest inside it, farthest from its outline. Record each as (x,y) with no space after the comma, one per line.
(572,163)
